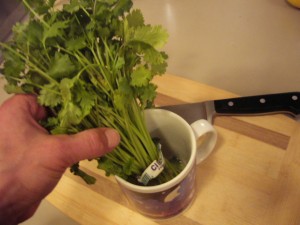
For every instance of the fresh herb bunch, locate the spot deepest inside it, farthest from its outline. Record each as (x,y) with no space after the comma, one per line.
(91,63)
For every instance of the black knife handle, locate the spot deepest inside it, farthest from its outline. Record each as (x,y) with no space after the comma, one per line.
(260,104)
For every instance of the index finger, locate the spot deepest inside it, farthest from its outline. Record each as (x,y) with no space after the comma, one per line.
(21,105)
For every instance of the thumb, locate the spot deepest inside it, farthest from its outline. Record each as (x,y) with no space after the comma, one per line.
(87,144)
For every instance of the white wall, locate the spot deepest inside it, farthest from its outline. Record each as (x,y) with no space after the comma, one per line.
(246,47)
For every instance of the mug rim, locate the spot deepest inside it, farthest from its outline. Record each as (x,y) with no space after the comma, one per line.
(191,162)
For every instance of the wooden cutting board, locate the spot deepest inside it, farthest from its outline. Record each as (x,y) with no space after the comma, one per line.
(251,178)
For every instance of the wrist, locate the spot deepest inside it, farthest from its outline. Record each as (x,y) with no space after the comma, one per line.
(8,205)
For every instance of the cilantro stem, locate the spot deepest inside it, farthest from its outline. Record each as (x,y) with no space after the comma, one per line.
(102,67)
(129,141)
(86,12)
(35,14)
(29,63)
(87,65)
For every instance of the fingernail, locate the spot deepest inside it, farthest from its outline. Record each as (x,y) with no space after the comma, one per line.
(113,138)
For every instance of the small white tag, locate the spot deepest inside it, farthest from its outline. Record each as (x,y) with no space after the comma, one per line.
(154,169)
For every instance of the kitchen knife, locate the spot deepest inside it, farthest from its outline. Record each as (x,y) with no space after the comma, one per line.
(250,105)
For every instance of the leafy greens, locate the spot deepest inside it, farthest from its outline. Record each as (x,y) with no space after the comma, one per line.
(91,63)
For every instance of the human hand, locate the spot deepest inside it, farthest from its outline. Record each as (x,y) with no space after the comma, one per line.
(32,161)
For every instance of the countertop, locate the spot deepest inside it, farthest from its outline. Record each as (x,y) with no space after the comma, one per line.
(251,178)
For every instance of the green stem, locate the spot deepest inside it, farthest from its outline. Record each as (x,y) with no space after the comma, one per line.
(142,131)
(35,14)
(130,142)
(102,67)
(32,65)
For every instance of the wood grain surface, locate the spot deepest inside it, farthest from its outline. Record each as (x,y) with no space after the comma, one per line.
(251,178)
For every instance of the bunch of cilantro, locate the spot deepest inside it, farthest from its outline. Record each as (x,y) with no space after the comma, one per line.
(91,64)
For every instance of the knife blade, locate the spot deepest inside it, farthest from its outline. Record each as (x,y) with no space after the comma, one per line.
(288,103)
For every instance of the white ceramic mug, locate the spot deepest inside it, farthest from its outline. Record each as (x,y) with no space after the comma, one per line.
(170,198)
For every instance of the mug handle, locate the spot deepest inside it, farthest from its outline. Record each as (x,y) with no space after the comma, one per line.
(206,138)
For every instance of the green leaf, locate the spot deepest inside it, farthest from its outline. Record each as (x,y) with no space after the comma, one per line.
(50,122)
(61,67)
(29,88)
(122,95)
(147,95)
(65,87)
(120,100)
(135,18)
(34,33)
(13,66)
(120,63)
(122,7)
(70,115)
(13,89)
(85,97)
(152,56)
(110,167)
(128,167)
(55,30)
(140,77)
(76,44)
(19,33)
(87,103)
(156,36)
(160,68)
(59,130)
(35,78)
(50,95)
(91,25)
(124,87)
(78,172)
(72,7)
